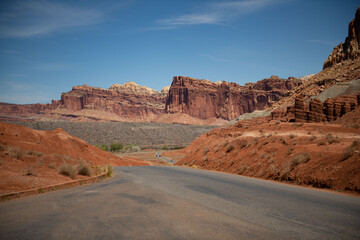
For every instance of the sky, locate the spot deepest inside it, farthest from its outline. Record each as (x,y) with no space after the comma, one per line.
(46,47)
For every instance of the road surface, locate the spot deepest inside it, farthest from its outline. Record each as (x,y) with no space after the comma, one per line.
(164,202)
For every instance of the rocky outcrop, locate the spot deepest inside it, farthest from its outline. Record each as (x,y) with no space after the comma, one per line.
(128,100)
(330,110)
(350,49)
(204,99)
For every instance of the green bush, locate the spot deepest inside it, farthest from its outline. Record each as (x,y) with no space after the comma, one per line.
(131,148)
(104,147)
(116,147)
(110,171)
(165,147)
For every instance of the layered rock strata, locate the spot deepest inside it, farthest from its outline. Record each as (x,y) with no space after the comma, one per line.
(330,110)
(204,99)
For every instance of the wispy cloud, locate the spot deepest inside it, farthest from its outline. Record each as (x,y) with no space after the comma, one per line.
(323,42)
(23,18)
(217,13)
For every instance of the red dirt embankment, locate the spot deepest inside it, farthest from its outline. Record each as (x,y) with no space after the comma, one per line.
(31,159)
(316,154)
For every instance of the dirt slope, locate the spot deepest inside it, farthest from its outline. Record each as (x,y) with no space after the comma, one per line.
(31,158)
(325,156)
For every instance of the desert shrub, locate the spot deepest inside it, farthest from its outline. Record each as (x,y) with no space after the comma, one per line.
(298,124)
(205,159)
(243,144)
(282,140)
(52,165)
(206,150)
(17,152)
(261,130)
(85,170)
(292,163)
(277,122)
(230,148)
(116,147)
(104,147)
(30,171)
(349,151)
(67,169)
(301,158)
(312,138)
(34,153)
(2,147)
(164,147)
(292,136)
(290,150)
(40,162)
(321,143)
(110,171)
(131,148)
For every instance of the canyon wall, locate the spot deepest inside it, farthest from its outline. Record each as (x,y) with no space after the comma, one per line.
(204,99)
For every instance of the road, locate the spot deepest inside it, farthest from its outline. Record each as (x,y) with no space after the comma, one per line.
(158,155)
(165,202)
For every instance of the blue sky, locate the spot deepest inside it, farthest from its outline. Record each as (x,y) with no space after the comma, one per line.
(46,47)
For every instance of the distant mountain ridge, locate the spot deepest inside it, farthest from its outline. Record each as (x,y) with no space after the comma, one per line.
(187,100)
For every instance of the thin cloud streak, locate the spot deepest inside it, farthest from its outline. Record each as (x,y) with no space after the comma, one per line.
(219,13)
(38,17)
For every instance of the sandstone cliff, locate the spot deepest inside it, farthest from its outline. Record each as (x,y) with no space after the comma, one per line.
(331,110)
(204,99)
(350,49)
(126,102)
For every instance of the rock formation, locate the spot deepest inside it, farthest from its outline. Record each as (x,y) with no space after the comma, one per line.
(351,48)
(330,110)
(204,99)
(129,100)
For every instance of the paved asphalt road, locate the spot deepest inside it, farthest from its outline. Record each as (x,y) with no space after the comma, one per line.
(178,203)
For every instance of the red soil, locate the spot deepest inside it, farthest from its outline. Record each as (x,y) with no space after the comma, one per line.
(31,158)
(325,156)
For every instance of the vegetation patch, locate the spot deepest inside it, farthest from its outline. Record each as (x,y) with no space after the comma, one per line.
(67,169)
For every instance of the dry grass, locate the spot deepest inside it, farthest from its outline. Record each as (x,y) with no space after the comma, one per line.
(85,170)
(349,151)
(30,171)
(230,148)
(110,171)
(34,153)
(52,165)
(67,169)
(312,138)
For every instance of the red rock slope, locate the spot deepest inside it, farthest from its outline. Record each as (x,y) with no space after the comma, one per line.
(31,158)
(324,156)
